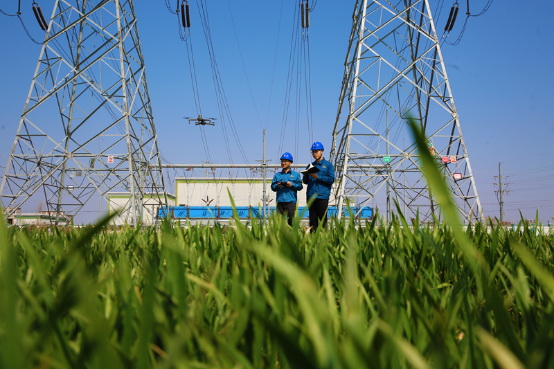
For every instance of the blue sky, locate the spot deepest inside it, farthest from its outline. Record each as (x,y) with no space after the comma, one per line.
(500,73)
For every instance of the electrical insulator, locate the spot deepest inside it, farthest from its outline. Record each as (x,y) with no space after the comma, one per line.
(305,14)
(452,17)
(185,15)
(188,15)
(40,17)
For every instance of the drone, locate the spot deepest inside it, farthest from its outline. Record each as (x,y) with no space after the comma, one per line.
(200,121)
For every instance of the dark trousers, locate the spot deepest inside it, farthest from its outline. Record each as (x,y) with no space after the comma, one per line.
(288,209)
(318,213)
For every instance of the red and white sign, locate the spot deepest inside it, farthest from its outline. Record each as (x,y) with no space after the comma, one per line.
(445,159)
(453,158)
(457,176)
(110,159)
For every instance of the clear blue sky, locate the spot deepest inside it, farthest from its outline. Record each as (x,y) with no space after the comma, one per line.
(501,77)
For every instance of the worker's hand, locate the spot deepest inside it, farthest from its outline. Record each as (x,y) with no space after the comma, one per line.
(288,184)
(313,175)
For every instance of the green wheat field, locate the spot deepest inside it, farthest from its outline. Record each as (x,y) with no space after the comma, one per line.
(394,295)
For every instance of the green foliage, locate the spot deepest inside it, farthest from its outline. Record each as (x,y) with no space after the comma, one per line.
(271,296)
(266,295)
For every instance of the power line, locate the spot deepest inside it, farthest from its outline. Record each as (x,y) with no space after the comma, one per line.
(9,15)
(541,202)
(220,91)
(288,83)
(468,15)
(244,65)
(18,15)
(534,179)
(168,6)
(527,189)
(274,62)
(531,170)
(298,76)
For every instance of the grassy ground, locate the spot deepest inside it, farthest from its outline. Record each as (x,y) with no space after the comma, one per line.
(270,296)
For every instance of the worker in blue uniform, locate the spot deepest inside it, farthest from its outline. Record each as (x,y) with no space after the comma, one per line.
(286,183)
(319,181)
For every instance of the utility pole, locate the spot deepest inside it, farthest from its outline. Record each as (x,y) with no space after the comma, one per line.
(264,175)
(263,166)
(500,192)
(87,128)
(385,82)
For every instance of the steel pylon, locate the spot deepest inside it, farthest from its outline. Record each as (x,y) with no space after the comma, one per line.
(394,69)
(87,126)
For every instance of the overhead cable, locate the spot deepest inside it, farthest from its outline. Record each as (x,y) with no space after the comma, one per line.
(168,6)
(298,76)
(18,15)
(452,19)
(244,66)
(9,15)
(220,91)
(274,64)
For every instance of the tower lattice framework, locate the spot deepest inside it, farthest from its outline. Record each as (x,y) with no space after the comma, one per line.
(87,127)
(394,69)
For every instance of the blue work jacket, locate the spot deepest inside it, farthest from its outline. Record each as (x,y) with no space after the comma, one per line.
(320,188)
(286,194)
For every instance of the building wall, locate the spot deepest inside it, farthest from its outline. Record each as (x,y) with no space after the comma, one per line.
(213,192)
(43,218)
(118,200)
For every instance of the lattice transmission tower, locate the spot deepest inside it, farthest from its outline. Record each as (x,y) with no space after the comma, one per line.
(394,69)
(87,127)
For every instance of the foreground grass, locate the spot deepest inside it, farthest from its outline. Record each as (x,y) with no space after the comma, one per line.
(269,296)
(275,297)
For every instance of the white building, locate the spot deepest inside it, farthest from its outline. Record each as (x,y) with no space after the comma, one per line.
(119,200)
(39,218)
(203,191)
(206,199)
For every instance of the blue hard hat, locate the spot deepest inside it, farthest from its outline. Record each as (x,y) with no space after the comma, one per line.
(287,156)
(317,146)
